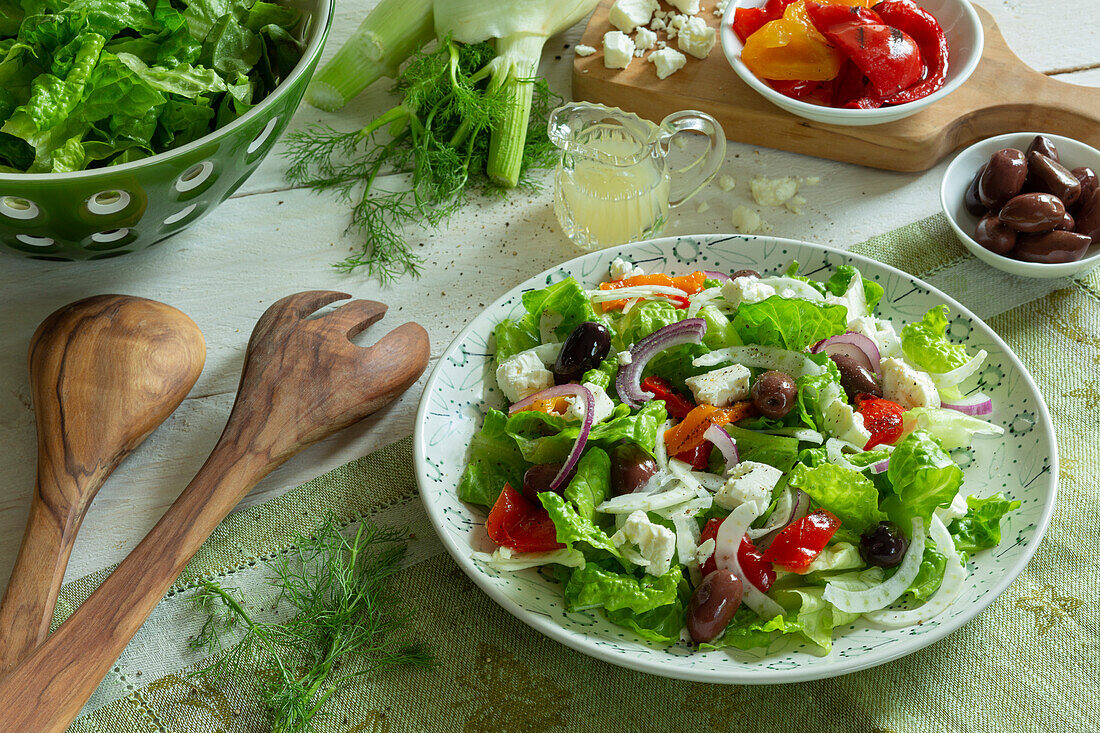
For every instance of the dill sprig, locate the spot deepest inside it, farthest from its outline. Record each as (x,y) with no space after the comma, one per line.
(438,137)
(348,624)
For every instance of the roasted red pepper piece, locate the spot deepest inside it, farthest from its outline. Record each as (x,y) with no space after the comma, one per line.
(882,418)
(852,90)
(887,56)
(698,457)
(518,524)
(909,17)
(800,542)
(747,21)
(757,571)
(809,90)
(677,406)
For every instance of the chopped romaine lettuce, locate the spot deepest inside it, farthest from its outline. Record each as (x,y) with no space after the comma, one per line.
(922,476)
(789,323)
(495,460)
(594,587)
(981,527)
(951,428)
(925,343)
(544,438)
(846,493)
(746,630)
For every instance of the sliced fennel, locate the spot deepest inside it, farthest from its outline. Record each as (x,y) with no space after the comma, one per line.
(727,543)
(504,559)
(794,363)
(949,589)
(882,595)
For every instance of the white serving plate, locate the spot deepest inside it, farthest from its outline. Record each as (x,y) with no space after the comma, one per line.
(1024,464)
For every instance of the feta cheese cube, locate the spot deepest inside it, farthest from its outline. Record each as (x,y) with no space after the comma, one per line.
(691,7)
(773,191)
(747,221)
(668,61)
(794,204)
(746,290)
(721,387)
(625,358)
(601,409)
(907,386)
(748,481)
(675,21)
(618,50)
(844,423)
(703,207)
(644,39)
(656,543)
(626,15)
(621,269)
(704,551)
(583,50)
(696,37)
(658,24)
(523,375)
(726,182)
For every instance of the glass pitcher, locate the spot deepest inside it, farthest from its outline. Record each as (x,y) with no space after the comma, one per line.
(613,184)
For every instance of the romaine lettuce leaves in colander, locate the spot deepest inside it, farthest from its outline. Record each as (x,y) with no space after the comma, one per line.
(91,83)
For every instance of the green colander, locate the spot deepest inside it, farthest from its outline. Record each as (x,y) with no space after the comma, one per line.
(107,212)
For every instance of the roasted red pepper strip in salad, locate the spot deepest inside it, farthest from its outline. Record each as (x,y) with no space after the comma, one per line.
(800,542)
(910,18)
(676,404)
(747,21)
(690,284)
(887,56)
(882,418)
(518,524)
(757,571)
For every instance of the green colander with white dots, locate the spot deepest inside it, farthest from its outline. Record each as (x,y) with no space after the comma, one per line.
(108,212)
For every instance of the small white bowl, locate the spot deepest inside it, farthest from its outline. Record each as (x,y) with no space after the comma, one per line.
(961,172)
(965,40)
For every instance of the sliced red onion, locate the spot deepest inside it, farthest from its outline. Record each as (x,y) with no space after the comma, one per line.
(628,381)
(725,443)
(975,405)
(881,466)
(564,390)
(855,346)
(715,275)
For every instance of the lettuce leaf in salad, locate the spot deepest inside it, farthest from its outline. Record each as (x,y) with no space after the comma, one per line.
(846,493)
(544,438)
(746,630)
(789,323)
(662,625)
(815,617)
(980,527)
(780,451)
(922,478)
(642,320)
(495,460)
(925,343)
(951,428)
(842,278)
(930,575)
(591,483)
(604,375)
(792,272)
(511,338)
(563,304)
(592,586)
(577,532)
(720,332)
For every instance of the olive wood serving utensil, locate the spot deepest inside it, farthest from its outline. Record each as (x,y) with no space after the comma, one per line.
(302,381)
(104,372)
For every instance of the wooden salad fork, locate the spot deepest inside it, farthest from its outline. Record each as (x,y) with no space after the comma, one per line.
(104,371)
(302,381)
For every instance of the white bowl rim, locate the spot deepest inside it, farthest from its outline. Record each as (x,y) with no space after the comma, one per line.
(548,627)
(324,14)
(839,114)
(1013,266)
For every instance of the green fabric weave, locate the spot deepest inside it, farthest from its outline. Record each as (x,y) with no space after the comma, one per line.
(1028,663)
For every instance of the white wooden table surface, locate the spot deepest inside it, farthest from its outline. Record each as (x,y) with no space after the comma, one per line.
(270,240)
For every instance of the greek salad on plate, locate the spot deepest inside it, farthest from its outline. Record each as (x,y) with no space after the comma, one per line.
(738,454)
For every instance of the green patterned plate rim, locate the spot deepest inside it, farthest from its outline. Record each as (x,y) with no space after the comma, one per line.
(1024,464)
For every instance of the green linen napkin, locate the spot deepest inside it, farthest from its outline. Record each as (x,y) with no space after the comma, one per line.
(1028,663)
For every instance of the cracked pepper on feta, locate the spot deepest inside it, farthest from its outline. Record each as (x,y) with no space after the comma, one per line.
(693,460)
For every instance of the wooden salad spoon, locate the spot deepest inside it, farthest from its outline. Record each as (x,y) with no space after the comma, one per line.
(104,373)
(302,381)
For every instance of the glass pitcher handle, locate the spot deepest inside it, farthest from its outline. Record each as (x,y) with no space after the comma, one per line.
(708,163)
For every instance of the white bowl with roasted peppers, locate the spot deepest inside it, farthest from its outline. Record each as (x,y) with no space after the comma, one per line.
(1026,203)
(843,63)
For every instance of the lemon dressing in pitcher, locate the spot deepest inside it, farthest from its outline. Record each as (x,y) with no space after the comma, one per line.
(612,184)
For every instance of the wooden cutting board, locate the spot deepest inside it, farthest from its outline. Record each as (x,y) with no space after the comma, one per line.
(1003,95)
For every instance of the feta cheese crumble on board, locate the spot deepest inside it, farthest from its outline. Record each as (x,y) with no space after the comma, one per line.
(618,50)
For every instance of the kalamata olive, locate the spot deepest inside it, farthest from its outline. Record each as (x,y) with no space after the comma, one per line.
(745,273)
(1044,146)
(1088,217)
(537,480)
(584,349)
(1053,177)
(712,605)
(1067,223)
(1051,247)
(1003,178)
(854,377)
(1089,182)
(774,394)
(973,204)
(883,545)
(1033,212)
(995,235)
(631,468)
